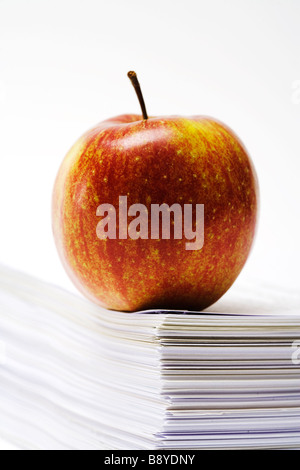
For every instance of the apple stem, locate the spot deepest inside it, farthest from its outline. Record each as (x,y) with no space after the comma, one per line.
(137,87)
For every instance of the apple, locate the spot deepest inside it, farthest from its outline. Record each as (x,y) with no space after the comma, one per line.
(152,161)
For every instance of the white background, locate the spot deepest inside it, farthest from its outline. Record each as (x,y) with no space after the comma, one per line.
(63,66)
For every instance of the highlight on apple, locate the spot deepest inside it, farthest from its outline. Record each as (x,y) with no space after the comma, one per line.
(159,226)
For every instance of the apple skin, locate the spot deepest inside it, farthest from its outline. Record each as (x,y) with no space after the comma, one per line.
(185,160)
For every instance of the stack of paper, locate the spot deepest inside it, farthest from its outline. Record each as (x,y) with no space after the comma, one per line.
(75,376)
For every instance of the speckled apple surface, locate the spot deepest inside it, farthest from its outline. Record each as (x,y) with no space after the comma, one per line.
(194,160)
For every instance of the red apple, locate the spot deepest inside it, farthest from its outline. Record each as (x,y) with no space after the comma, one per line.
(183,160)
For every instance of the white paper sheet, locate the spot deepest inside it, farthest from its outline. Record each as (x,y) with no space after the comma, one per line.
(76,376)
